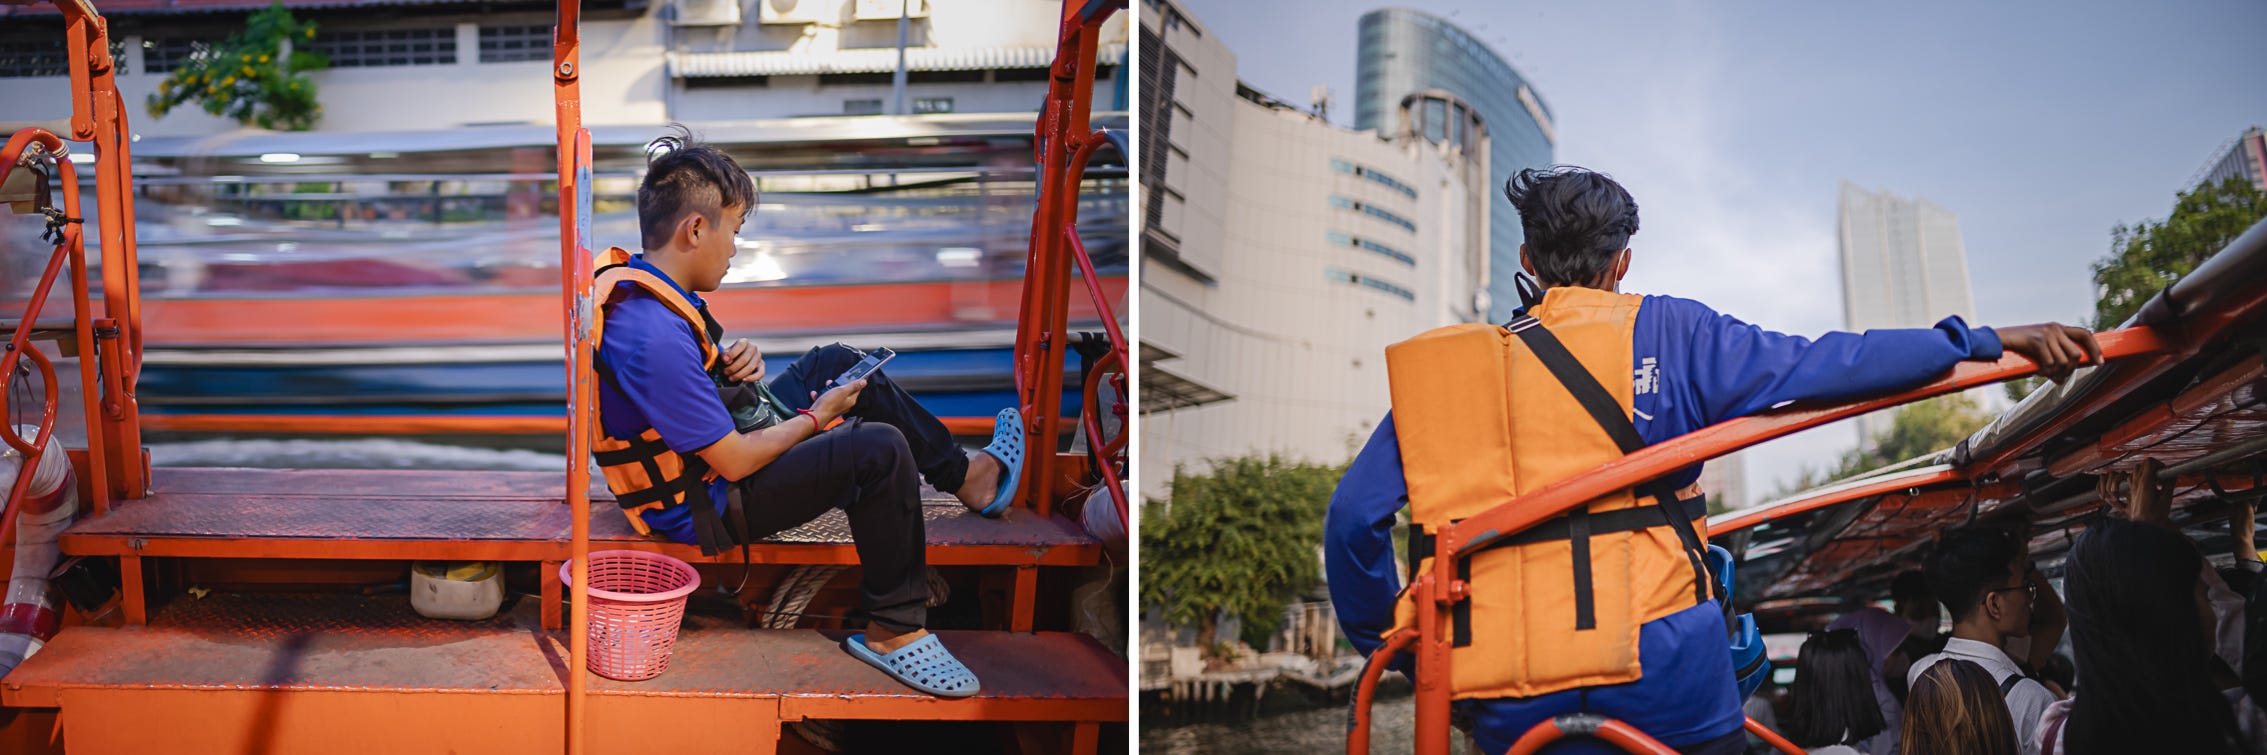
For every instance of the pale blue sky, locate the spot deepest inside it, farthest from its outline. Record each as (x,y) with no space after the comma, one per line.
(2040,124)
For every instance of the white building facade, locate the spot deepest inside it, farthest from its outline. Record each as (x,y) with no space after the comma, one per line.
(403,66)
(1291,254)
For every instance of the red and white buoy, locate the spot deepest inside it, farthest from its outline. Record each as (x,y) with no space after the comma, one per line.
(30,617)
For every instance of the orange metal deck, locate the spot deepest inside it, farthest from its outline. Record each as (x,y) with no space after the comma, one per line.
(498,516)
(285,673)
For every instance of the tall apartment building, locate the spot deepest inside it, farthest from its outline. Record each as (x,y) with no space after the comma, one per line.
(2244,156)
(1903,266)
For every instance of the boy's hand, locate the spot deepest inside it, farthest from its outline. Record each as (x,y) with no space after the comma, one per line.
(835,402)
(743,363)
(2057,348)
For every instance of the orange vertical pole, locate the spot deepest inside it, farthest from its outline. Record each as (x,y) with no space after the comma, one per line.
(1042,330)
(99,115)
(82,327)
(574,270)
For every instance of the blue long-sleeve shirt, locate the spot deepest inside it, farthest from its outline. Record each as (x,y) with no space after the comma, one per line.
(1691,367)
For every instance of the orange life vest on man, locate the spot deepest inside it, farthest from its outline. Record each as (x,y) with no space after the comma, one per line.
(1487,413)
(644,473)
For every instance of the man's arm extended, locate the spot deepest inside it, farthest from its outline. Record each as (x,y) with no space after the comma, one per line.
(738,455)
(1736,369)
(1357,540)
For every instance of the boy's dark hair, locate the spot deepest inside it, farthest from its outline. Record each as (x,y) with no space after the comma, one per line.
(682,176)
(1575,221)
(1832,699)
(1969,562)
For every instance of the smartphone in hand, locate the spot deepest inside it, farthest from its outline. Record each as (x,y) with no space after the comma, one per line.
(865,367)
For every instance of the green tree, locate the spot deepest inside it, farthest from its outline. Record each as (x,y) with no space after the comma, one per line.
(1919,428)
(2146,257)
(1239,541)
(253,76)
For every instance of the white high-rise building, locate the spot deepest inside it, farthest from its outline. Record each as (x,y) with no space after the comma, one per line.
(1903,266)
(1282,254)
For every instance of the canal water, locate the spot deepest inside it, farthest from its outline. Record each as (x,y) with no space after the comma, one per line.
(349,453)
(1392,725)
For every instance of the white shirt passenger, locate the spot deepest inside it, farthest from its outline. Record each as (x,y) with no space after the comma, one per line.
(2025,702)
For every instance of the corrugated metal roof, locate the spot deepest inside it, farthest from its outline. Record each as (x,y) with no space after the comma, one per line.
(879,60)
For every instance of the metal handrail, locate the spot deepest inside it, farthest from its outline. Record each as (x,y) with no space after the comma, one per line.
(23,149)
(116,461)
(1435,591)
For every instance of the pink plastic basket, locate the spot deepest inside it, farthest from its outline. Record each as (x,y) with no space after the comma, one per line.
(637,601)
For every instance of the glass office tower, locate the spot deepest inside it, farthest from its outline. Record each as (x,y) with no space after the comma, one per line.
(1404,52)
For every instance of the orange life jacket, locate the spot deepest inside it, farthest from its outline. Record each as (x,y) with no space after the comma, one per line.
(644,473)
(1487,413)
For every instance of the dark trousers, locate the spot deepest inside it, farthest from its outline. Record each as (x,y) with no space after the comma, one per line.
(940,460)
(866,467)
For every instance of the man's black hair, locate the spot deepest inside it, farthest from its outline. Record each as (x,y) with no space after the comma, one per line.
(1910,587)
(1832,699)
(683,176)
(1967,563)
(1575,220)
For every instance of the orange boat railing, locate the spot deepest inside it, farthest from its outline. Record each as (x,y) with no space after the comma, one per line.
(1065,143)
(109,347)
(30,149)
(1438,589)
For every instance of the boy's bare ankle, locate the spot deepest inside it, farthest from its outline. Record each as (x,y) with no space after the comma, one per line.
(884,641)
(982,483)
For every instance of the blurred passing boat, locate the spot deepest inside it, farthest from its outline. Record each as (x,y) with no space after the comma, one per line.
(405,282)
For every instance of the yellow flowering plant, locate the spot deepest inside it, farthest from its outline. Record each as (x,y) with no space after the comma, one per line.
(248,77)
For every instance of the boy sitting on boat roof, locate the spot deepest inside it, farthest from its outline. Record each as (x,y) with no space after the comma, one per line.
(681,465)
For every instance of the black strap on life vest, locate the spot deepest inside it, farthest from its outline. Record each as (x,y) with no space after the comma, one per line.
(1421,541)
(1602,408)
(714,533)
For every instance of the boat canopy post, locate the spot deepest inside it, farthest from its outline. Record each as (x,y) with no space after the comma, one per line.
(1064,143)
(575,284)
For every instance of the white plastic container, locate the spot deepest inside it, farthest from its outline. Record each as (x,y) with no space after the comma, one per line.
(472,598)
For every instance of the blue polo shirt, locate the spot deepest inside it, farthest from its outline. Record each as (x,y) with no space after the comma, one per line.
(1691,367)
(650,363)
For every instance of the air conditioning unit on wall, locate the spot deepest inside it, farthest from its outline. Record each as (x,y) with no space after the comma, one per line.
(798,11)
(890,10)
(707,13)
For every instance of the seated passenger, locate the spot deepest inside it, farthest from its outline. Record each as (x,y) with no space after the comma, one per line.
(1986,582)
(1954,709)
(2142,630)
(1831,708)
(1635,624)
(685,464)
